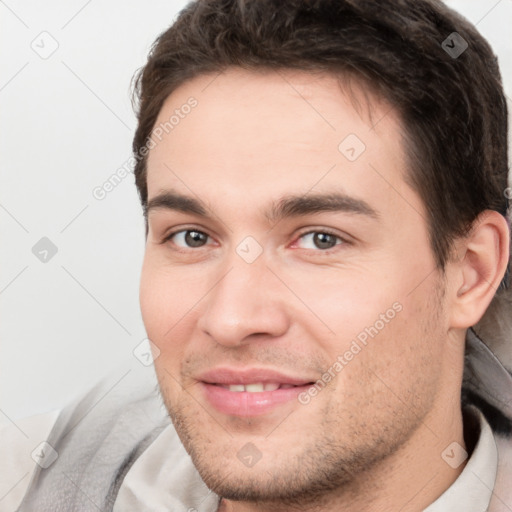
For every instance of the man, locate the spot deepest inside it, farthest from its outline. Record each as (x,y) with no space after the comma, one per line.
(325,189)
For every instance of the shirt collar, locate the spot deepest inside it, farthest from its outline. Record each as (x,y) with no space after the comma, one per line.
(473,488)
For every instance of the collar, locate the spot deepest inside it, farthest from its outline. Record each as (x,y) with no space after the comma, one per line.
(473,488)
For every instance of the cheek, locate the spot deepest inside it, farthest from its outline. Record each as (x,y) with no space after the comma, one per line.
(343,304)
(161,311)
(408,351)
(373,317)
(163,300)
(152,300)
(396,363)
(170,298)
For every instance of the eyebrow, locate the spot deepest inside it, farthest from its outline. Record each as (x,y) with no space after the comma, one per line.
(170,200)
(288,206)
(295,206)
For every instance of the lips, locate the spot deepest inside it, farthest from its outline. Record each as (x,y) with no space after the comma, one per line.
(249,392)
(258,387)
(228,376)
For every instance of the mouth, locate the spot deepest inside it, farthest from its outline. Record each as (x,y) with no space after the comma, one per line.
(250,392)
(258,387)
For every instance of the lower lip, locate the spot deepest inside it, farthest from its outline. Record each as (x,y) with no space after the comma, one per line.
(243,403)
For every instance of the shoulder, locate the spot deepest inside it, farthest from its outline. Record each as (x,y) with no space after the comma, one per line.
(107,428)
(21,441)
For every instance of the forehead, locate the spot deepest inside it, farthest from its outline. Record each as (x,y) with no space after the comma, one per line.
(268,133)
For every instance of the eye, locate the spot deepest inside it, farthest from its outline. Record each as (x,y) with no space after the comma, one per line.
(318,240)
(188,238)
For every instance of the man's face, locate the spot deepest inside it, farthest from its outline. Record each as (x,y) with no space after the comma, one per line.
(300,256)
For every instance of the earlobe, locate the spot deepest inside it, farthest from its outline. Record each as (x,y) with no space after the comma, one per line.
(484,255)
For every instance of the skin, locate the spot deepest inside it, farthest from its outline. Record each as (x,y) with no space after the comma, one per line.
(372,439)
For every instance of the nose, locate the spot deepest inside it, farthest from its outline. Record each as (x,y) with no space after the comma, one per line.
(244,305)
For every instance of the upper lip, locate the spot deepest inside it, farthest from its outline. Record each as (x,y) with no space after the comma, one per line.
(224,375)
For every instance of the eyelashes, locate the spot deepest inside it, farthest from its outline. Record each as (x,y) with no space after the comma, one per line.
(321,240)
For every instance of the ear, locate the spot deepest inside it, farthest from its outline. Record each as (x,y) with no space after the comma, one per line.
(479,268)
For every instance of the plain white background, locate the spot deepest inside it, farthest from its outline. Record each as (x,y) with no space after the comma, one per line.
(66,127)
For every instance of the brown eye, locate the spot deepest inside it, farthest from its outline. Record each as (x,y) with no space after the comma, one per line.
(189,238)
(324,240)
(195,238)
(319,240)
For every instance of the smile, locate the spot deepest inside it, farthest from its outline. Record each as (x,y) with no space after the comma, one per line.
(255,388)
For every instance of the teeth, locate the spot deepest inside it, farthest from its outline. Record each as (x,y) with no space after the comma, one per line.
(256,387)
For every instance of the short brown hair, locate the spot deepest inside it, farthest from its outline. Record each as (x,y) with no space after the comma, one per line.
(452,106)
